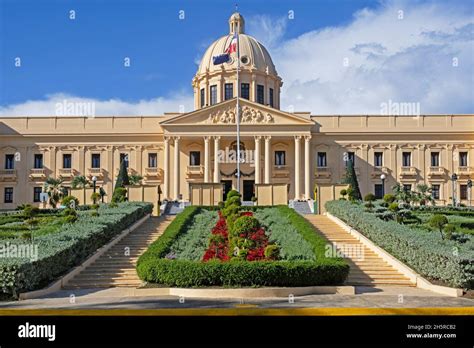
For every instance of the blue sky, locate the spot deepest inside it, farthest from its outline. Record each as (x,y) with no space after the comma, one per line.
(83,58)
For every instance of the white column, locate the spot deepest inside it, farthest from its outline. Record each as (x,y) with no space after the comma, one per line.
(176,175)
(166,169)
(307,167)
(267,159)
(257,159)
(216,160)
(297,166)
(207,159)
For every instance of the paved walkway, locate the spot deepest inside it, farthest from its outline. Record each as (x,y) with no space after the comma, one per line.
(128,298)
(366,267)
(116,268)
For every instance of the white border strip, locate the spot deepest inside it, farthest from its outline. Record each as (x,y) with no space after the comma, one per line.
(58,284)
(414,277)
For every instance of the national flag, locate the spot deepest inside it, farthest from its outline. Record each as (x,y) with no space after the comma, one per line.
(232,46)
(220,59)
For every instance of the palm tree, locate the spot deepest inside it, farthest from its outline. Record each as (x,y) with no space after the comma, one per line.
(79,181)
(54,188)
(424,193)
(135,179)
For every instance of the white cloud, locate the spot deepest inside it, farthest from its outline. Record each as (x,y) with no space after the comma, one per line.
(63,104)
(403,60)
(265,29)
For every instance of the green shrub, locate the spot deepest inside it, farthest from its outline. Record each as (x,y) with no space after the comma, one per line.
(119,195)
(244,225)
(70,219)
(393,207)
(424,252)
(438,221)
(30,211)
(69,212)
(449,229)
(94,206)
(68,202)
(369,197)
(233,193)
(389,198)
(272,252)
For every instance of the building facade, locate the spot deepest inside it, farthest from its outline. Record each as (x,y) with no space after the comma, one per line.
(301,150)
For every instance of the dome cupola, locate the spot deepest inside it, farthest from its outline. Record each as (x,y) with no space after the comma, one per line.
(259,80)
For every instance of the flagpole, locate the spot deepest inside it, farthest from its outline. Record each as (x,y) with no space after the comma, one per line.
(237,120)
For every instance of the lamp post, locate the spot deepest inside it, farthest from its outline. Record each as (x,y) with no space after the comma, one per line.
(469,187)
(454,177)
(382,177)
(94,181)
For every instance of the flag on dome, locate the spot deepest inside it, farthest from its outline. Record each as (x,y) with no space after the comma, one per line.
(225,57)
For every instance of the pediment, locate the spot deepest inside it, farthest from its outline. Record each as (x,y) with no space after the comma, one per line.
(224,113)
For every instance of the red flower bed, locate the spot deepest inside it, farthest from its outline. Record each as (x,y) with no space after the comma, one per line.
(218,249)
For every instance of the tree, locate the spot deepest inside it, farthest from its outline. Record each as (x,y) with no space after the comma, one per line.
(438,221)
(135,179)
(122,178)
(53,187)
(424,194)
(369,199)
(351,179)
(79,182)
(401,193)
(343,193)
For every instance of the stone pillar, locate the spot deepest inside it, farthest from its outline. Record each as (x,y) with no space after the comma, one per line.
(267,159)
(216,160)
(297,166)
(176,175)
(207,159)
(257,159)
(307,167)
(166,168)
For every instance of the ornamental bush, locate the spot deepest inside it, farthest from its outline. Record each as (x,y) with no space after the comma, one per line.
(426,253)
(243,225)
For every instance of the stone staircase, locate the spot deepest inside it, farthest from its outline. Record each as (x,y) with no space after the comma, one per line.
(301,207)
(116,268)
(368,270)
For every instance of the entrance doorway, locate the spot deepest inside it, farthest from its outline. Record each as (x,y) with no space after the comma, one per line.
(248,190)
(227,188)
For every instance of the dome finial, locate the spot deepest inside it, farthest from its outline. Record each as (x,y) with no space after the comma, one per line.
(236,23)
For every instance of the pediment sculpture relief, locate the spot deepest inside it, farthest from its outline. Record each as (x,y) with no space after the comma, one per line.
(249,116)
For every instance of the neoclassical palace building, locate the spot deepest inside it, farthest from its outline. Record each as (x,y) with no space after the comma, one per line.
(298,150)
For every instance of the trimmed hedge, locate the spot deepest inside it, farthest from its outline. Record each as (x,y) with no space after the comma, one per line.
(153,267)
(73,243)
(425,252)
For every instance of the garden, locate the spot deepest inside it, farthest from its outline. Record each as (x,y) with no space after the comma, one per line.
(436,241)
(231,245)
(39,245)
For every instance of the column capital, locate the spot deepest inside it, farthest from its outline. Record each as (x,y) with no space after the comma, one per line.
(257,137)
(217,137)
(176,138)
(297,137)
(267,137)
(167,138)
(207,138)
(307,137)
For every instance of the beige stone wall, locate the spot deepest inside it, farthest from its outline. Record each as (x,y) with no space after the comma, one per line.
(138,136)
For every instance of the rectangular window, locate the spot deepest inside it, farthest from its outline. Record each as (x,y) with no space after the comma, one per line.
(67,161)
(271,97)
(280,158)
(95,160)
(36,194)
(9,161)
(406,159)
(229,91)
(435,159)
(435,191)
(38,163)
(260,94)
(202,98)
(378,191)
(463,191)
(350,158)
(124,157)
(152,160)
(245,91)
(378,159)
(8,195)
(213,91)
(322,160)
(407,187)
(194,158)
(463,159)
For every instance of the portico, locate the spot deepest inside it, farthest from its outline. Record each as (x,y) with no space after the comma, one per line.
(274,148)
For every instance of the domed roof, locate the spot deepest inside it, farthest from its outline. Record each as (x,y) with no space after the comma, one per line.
(252,53)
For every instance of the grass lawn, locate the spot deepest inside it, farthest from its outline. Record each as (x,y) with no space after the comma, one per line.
(13,226)
(462,223)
